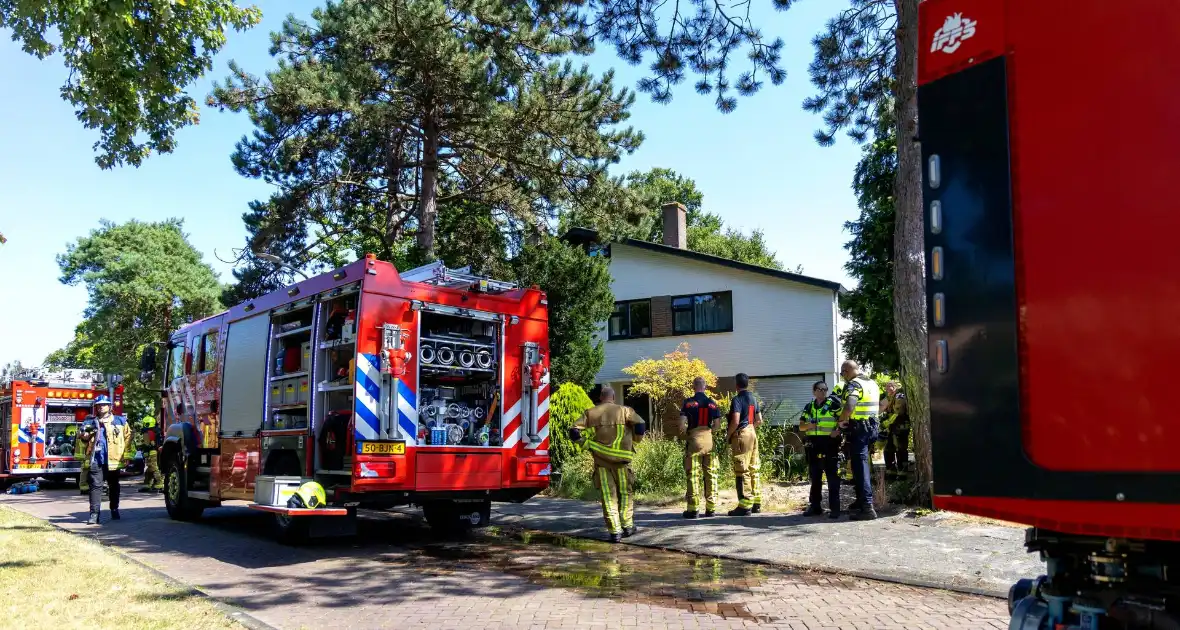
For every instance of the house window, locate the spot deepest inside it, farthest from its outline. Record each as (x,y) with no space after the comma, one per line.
(702,313)
(631,319)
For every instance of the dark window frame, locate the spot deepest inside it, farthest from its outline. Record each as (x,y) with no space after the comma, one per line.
(627,308)
(691,310)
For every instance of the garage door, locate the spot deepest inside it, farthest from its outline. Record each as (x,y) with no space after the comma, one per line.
(783,397)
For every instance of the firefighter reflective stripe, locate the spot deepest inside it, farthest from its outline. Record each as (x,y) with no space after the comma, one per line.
(407,412)
(603,449)
(868,400)
(367,391)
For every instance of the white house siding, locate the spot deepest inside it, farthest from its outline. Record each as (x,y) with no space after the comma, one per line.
(780,328)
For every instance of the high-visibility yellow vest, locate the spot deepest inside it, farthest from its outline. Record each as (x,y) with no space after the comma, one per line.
(822,417)
(868,400)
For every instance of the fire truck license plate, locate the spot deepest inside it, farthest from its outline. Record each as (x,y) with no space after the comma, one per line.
(383,448)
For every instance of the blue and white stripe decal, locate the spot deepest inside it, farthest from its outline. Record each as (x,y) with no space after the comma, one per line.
(368,393)
(22,436)
(407,412)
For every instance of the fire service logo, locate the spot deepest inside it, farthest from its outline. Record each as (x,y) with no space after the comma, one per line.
(950,36)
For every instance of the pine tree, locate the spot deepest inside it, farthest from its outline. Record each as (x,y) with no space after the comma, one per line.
(385,110)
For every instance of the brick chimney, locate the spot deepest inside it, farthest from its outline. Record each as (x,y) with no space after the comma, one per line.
(675,225)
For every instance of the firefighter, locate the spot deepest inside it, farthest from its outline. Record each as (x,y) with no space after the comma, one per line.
(153,481)
(610,432)
(859,423)
(698,418)
(742,436)
(897,448)
(107,437)
(818,423)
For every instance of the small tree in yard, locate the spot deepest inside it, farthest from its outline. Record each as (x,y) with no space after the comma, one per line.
(668,381)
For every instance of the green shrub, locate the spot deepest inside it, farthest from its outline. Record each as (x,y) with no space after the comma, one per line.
(659,468)
(566,405)
(577,478)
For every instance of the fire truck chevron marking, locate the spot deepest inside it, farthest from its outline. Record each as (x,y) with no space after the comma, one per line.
(407,412)
(512,425)
(368,391)
(22,436)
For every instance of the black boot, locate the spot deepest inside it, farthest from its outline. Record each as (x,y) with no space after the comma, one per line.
(756,509)
(814,510)
(739,511)
(615,538)
(864,514)
(629,531)
(709,513)
(690,514)
(115,514)
(834,514)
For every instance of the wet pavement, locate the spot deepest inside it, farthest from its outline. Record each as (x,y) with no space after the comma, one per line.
(937,550)
(396,574)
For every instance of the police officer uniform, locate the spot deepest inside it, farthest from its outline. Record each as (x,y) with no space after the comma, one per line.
(610,431)
(698,417)
(823,453)
(744,447)
(861,432)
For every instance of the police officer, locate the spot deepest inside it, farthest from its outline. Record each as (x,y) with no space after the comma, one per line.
(859,423)
(153,481)
(107,437)
(744,418)
(818,423)
(698,418)
(610,432)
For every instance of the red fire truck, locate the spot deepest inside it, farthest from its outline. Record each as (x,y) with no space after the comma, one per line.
(1049,134)
(41,411)
(428,387)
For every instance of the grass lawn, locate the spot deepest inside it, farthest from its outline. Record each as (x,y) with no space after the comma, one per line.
(50,578)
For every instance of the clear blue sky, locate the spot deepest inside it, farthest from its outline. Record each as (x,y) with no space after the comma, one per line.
(758,167)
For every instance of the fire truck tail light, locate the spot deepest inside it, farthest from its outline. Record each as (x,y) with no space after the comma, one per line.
(936,263)
(375,470)
(939,310)
(536,469)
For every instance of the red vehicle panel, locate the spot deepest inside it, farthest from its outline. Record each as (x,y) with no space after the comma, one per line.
(1049,211)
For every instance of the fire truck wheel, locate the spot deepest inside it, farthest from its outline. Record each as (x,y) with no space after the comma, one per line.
(176,500)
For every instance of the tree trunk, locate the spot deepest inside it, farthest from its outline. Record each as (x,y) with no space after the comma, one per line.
(427,198)
(909,281)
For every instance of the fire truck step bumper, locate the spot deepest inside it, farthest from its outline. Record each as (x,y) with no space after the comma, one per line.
(293,512)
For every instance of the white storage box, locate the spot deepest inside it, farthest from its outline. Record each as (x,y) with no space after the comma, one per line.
(272,490)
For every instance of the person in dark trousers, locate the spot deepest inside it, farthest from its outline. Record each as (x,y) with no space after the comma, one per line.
(859,423)
(107,438)
(742,436)
(897,448)
(819,424)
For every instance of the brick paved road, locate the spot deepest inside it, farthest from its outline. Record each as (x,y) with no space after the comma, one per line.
(394,576)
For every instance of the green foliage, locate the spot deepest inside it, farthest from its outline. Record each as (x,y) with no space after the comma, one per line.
(566,405)
(853,69)
(641,217)
(383,112)
(659,468)
(129,63)
(871,339)
(144,281)
(578,289)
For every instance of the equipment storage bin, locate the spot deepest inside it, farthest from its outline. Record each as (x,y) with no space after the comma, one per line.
(272,490)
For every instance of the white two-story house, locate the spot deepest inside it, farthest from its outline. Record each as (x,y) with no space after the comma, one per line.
(775,326)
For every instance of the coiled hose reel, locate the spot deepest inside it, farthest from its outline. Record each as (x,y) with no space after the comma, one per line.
(483,358)
(427,354)
(445,355)
(466,358)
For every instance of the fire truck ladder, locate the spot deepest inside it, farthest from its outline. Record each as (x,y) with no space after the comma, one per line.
(439,275)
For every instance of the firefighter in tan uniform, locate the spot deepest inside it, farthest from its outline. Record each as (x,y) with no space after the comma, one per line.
(744,418)
(610,431)
(698,418)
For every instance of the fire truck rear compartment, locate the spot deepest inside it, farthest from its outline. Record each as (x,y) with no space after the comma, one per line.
(459,378)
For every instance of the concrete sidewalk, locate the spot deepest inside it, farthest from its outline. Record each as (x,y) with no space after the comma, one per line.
(938,550)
